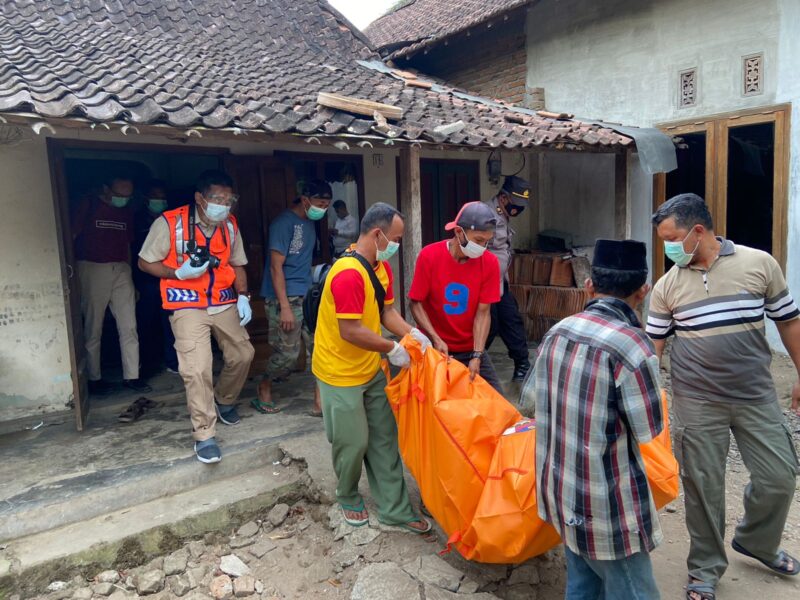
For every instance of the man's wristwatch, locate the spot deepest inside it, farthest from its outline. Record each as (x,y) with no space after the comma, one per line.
(476,354)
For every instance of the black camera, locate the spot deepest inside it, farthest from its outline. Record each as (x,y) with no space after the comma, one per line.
(199,255)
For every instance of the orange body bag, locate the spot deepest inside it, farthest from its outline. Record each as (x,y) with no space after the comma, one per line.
(473,456)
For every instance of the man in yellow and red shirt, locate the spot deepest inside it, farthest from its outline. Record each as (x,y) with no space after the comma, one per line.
(454,288)
(356,301)
(201,298)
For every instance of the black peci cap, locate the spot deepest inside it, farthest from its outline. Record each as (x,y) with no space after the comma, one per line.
(620,255)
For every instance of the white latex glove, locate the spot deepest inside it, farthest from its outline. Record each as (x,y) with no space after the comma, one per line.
(423,339)
(245,312)
(399,357)
(187,271)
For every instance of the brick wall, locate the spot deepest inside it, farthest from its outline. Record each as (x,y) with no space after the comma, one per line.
(489,62)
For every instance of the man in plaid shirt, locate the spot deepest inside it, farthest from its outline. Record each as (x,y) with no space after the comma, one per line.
(596,390)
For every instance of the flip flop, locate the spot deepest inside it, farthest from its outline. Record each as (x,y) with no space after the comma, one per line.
(775,566)
(313,413)
(136,409)
(265,408)
(358,509)
(408,527)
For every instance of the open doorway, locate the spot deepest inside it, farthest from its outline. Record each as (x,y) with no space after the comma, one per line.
(117,225)
(738,163)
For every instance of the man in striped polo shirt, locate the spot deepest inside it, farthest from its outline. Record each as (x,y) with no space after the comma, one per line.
(713,301)
(595,385)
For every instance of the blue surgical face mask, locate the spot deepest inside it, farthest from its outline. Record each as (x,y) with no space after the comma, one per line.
(389,251)
(157,205)
(676,253)
(119,201)
(315,213)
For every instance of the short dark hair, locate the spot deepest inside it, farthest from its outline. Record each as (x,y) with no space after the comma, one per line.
(316,188)
(212,177)
(688,210)
(620,284)
(339,204)
(110,179)
(379,215)
(156,184)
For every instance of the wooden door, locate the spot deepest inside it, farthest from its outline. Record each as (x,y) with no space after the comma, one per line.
(71,286)
(714,174)
(265,186)
(445,186)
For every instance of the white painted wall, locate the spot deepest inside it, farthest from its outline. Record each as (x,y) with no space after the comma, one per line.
(34,356)
(619,61)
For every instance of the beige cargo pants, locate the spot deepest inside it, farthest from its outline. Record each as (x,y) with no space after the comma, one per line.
(193,328)
(109,285)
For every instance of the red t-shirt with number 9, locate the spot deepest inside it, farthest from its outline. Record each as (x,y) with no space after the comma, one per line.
(450,291)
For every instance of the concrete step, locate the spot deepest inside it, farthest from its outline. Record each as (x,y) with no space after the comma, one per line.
(150,528)
(81,496)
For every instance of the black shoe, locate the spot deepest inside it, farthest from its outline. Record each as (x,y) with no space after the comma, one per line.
(227,413)
(137,385)
(520,371)
(100,387)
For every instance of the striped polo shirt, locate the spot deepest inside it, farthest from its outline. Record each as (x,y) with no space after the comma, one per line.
(720,352)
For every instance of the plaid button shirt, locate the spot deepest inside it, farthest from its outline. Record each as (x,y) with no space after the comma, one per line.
(596,391)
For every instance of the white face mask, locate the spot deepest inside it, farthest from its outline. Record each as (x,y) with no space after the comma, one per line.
(217,213)
(471,249)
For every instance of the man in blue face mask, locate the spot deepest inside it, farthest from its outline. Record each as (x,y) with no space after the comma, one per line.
(103,230)
(287,279)
(713,301)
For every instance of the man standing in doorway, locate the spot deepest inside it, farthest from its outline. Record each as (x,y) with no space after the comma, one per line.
(104,232)
(356,301)
(454,288)
(345,231)
(287,279)
(509,202)
(713,301)
(156,341)
(202,293)
(596,391)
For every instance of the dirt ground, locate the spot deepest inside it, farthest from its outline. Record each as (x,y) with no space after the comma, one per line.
(307,553)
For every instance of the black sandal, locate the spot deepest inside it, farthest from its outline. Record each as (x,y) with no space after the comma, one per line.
(780,566)
(701,590)
(136,409)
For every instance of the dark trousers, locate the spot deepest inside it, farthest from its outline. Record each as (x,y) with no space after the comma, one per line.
(156,340)
(507,323)
(487,369)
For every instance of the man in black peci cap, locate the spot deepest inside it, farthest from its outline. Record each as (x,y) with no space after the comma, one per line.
(455,284)
(596,389)
(509,202)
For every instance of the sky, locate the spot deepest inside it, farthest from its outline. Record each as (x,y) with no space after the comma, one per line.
(362,12)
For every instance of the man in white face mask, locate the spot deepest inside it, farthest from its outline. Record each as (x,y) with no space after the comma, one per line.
(454,286)
(206,291)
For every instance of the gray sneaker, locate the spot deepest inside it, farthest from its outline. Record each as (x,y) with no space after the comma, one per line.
(227,413)
(207,451)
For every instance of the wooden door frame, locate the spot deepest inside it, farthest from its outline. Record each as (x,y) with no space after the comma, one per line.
(58,184)
(716,128)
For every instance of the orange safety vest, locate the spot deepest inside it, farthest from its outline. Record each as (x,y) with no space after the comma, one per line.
(215,286)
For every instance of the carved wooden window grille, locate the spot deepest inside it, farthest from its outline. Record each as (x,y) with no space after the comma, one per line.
(753,74)
(688,88)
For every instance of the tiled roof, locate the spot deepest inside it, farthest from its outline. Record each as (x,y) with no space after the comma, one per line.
(420,23)
(247,64)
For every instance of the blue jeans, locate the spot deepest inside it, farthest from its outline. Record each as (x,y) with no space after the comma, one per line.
(628,578)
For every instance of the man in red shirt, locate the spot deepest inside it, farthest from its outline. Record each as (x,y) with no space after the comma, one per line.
(455,282)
